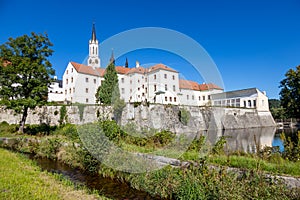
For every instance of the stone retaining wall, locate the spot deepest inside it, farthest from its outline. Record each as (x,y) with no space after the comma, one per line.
(161,117)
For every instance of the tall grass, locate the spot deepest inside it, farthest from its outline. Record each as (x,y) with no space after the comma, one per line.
(20,178)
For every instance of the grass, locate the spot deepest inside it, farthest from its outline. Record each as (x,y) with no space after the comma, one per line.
(20,178)
(284,168)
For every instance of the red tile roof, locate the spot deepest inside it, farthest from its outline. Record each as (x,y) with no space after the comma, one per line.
(209,86)
(122,70)
(139,70)
(185,84)
(161,66)
(84,69)
(192,85)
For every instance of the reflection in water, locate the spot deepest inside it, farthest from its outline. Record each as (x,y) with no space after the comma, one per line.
(245,140)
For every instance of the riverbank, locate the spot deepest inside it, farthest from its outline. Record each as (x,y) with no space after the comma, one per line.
(196,181)
(20,178)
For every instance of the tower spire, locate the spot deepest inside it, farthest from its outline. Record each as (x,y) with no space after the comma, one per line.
(112,57)
(126,63)
(94,33)
(94,59)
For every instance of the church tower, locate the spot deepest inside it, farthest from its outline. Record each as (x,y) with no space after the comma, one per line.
(94,59)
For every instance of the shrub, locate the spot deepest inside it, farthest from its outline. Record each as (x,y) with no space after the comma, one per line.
(162,138)
(112,130)
(218,148)
(184,116)
(68,130)
(291,146)
(62,115)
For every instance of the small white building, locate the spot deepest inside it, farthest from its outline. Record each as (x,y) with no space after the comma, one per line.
(247,98)
(55,91)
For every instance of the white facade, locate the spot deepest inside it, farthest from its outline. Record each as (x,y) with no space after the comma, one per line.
(247,98)
(55,91)
(81,83)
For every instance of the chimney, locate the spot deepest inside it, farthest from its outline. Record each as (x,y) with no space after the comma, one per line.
(137,64)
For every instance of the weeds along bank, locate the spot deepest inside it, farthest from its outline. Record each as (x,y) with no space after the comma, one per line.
(20,178)
(198,181)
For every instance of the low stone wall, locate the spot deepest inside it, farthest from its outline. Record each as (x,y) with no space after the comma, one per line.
(161,117)
(51,115)
(201,118)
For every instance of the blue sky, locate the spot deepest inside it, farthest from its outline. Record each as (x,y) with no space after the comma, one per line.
(253,43)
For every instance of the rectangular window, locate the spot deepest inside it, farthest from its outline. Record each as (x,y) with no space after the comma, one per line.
(170,99)
(73,90)
(208,97)
(71,79)
(193,97)
(173,77)
(86,90)
(72,70)
(67,71)
(130,90)
(199,98)
(65,91)
(187,97)
(123,90)
(165,76)
(166,98)
(232,102)
(122,80)
(154,76)
(86,80)
(146,90)
(254,103)
(154,88)
(203,97)
(86,100)
(70,90)
(95,81)
(238,102)
(67,81)
(174,99)
(174,88)
(228,102)
(166,87)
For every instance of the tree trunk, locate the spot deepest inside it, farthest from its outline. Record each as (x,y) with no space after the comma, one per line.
(22,123)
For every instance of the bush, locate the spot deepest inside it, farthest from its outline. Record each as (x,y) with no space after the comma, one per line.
(6,128)
(39,129)
(69,130)
(218,148)
(162,138)
(63,117)
(184,116)
(291,146)
(112,130)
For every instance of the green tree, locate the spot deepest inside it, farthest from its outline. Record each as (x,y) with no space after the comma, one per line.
(109,92)
(25,73)
(290,93)
(276,109)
